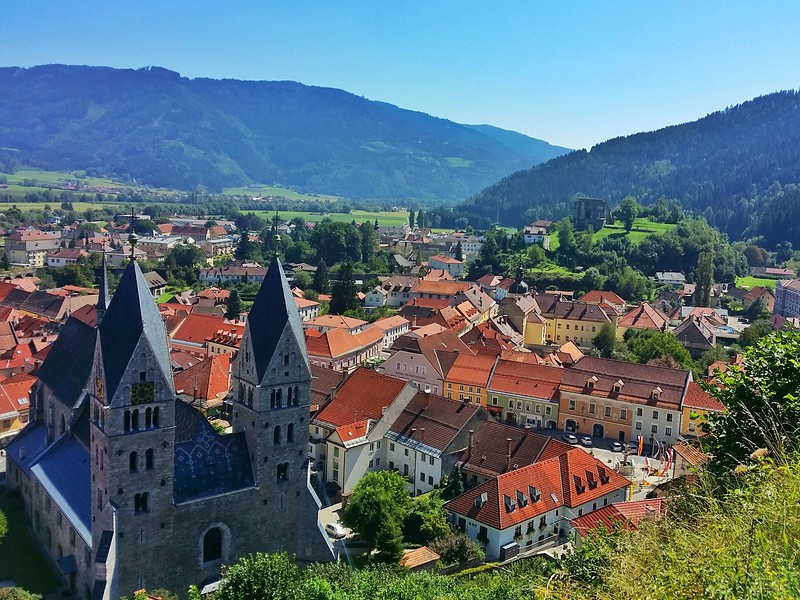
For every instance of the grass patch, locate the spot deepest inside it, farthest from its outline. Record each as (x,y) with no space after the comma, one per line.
(20,558)
(749,282)
(642,228)
(459,163)
(280,192)
(385,219)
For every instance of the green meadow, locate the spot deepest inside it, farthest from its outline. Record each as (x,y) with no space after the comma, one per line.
(385,219)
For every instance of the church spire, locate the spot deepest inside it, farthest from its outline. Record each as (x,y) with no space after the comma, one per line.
(103,296)
(273,315)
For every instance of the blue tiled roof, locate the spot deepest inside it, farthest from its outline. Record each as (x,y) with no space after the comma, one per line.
(64,473)
(27,446)
(206,463)
(272,309)
(68,365)
(131,314)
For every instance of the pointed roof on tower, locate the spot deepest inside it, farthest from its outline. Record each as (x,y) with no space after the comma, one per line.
(131,315)
(103,296)
(272,310)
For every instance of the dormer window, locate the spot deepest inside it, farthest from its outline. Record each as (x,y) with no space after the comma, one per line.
(522,499)
(534,493)
(579,486)
(481,500)
(509,503)
(617,387)
(656,393)
(590,383)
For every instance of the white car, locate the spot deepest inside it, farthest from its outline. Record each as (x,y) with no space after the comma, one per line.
(335,530)
(616,447)
(586,440)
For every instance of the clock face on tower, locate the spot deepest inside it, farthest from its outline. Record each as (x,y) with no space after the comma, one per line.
(142,393)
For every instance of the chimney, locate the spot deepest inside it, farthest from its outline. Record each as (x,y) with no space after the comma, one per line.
(527,430)
(426,399)
(421,434)
(508,454)
(471,442)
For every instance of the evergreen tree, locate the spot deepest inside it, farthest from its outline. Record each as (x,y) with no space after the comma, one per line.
(459,251)
(322,280)
(343,293)
(411,221)
(234,305)
(704,279)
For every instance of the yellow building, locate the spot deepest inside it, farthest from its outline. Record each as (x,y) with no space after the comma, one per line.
(468,378)
(578,322)
(697,406)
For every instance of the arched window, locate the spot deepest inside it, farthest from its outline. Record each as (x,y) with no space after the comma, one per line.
(127,420)
(282,471)
(212,545)
(290,432)
(156,417)
(276,435)
(289,396)
(140,502)
(148,418)
(241,392)
(279,400)
(272,398)
(135,420)
(249,396)
(133,462)
(149,458)
(294,403)
(64,424)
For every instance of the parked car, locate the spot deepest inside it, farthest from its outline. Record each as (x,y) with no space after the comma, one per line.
(617,447)
(586,440)
(335,530)
(570,439)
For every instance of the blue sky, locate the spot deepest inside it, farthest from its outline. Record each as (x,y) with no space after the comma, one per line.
(572,73)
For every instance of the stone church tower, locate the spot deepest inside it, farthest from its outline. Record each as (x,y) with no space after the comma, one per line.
(128,487)
(271,389)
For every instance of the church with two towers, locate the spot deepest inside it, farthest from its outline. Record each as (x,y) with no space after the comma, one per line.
(128,487)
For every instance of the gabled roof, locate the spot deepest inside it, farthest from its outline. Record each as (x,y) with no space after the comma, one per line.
(338,342)
(626,514)
(570,479)
(198,328)
(432,421)
(445,288)
(488,454)
(17,389)
(209,379)
(528,380)
(363,396)
(335,321)
(639,381)
(644,316)
(272,312)
(131,315)
(697,397)
(471,369)
(69,363)
(443,342)
(599,297)
(354,433)
(323,383)
(387,323)
(691,454)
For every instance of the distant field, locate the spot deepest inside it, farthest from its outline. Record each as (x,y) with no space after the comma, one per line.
(642,228)
(275,191)
(386,219)
(750,282)
(55,204)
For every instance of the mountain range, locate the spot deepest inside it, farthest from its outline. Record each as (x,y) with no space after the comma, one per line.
(157,127)
(737,167)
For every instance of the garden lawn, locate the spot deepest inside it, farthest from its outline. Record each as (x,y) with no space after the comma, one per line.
(20,558)
(750,282)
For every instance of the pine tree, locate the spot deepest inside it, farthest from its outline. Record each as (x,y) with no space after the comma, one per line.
(343,294)
(234,305)
(322,281)
(411,218)
(459,251)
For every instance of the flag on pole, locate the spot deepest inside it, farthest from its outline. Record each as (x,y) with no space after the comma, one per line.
(641,444)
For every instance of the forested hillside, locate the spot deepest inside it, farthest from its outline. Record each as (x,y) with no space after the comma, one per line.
(160,128)
(729,167)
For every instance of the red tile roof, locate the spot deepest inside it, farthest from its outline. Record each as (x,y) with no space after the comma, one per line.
(521,379)
(571,479)
(17,390)
(628,514)
(697,397)
(197,328)
(339,342)
(353,433)
(418,557)
(644,316)
(692,455)
(443,288)
(208,379)
(363,396)
(471,369)
(598,297)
